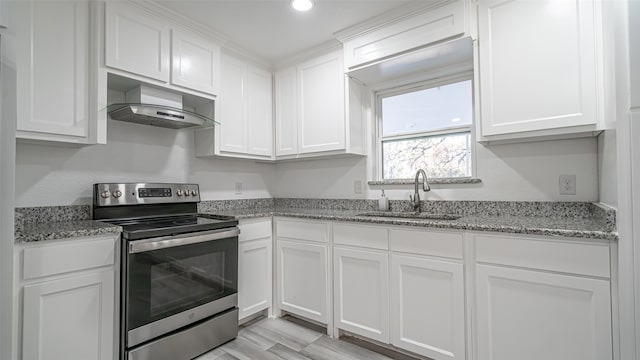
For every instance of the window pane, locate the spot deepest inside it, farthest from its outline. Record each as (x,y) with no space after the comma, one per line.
(426,110)
(439,156)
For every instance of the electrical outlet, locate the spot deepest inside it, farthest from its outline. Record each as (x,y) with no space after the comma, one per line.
(357,187)
(238,188)
(567,184)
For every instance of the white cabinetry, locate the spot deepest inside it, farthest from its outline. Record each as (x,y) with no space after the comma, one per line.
(427,292)
(69,299)
(254,266)
(136,41)
(51,54)
(549,307)
(321,125)
(319,111)
(423,26)
(361,291)
(286,124)
(245,113)
(195,62)
(150,48)
(540,68)
(427,306)
(303,269)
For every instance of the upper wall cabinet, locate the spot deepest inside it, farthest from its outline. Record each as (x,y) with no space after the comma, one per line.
(136,42)
(245,112)
(383,38)
(540,68)
(319,111)
(195,62)
(50,56)
(145,45)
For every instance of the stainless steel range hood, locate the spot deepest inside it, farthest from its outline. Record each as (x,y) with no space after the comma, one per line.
(157,107)
(157,115)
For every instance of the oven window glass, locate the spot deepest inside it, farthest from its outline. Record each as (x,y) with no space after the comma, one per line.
(168,281)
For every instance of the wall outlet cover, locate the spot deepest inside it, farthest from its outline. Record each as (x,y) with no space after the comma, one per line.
(238,188)
(567,184)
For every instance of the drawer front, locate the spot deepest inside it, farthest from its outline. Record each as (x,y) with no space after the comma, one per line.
(544,254)
(374,237)
(253,230)
(302,230)
(427,242)
(76,255)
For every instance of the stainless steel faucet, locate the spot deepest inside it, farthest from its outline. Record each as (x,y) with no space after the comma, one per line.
(415,200)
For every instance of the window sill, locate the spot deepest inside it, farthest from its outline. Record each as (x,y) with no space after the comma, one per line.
(438,181)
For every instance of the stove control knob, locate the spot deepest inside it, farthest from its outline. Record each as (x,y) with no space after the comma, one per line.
(194,193)
(179,192)
(186,192)
(117,194)
(105,194)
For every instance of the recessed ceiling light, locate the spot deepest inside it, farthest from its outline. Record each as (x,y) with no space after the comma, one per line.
(455,119)
(302,5)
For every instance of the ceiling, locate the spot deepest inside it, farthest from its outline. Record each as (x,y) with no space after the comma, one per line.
(274,31)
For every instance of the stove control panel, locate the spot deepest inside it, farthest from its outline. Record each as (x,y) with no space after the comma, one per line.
(112,194)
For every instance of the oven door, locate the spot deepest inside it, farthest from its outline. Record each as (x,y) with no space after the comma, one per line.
(177,280)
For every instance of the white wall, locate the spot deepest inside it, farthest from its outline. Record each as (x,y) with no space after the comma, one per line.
(57,175)
(527,171)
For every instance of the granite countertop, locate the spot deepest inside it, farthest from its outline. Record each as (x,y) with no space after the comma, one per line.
(580,227)
(578,220)
(63,229)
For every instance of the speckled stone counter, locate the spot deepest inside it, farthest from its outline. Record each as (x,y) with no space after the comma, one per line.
(570,219)
(550,226)
(58,222)
(64,229)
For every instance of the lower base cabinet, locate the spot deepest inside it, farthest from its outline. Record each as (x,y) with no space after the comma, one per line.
(532,315)
(70,318)
(361,290)
(427,307)
(69,291)
(303,279)
(254,267)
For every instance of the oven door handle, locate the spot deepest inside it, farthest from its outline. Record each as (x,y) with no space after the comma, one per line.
(140,246)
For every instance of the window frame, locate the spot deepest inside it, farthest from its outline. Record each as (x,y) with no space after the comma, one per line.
(417,86)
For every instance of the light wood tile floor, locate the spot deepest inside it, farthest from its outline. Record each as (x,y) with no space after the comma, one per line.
(280,339)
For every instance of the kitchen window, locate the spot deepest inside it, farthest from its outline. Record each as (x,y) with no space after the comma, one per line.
(427,126)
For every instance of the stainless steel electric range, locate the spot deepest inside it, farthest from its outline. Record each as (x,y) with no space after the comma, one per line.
(179,270)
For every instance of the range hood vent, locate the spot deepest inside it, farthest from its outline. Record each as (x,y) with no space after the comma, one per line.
(152,106)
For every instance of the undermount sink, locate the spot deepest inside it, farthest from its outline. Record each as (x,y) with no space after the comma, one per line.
(411,215)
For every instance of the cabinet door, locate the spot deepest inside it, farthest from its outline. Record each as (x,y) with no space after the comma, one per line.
(254,276)
(136,41)
(232,105)
(361,299)
(303,279)
(195,62)
(260,112)
(321,119)
(427,307)
(286,112)
(530,315)
(70,318)
(52,54)
(537,64)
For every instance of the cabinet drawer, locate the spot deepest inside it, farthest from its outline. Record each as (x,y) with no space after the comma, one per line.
(75,255)
(427,242)
(302,230)
(364,236)
(545,254)
(254,230)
